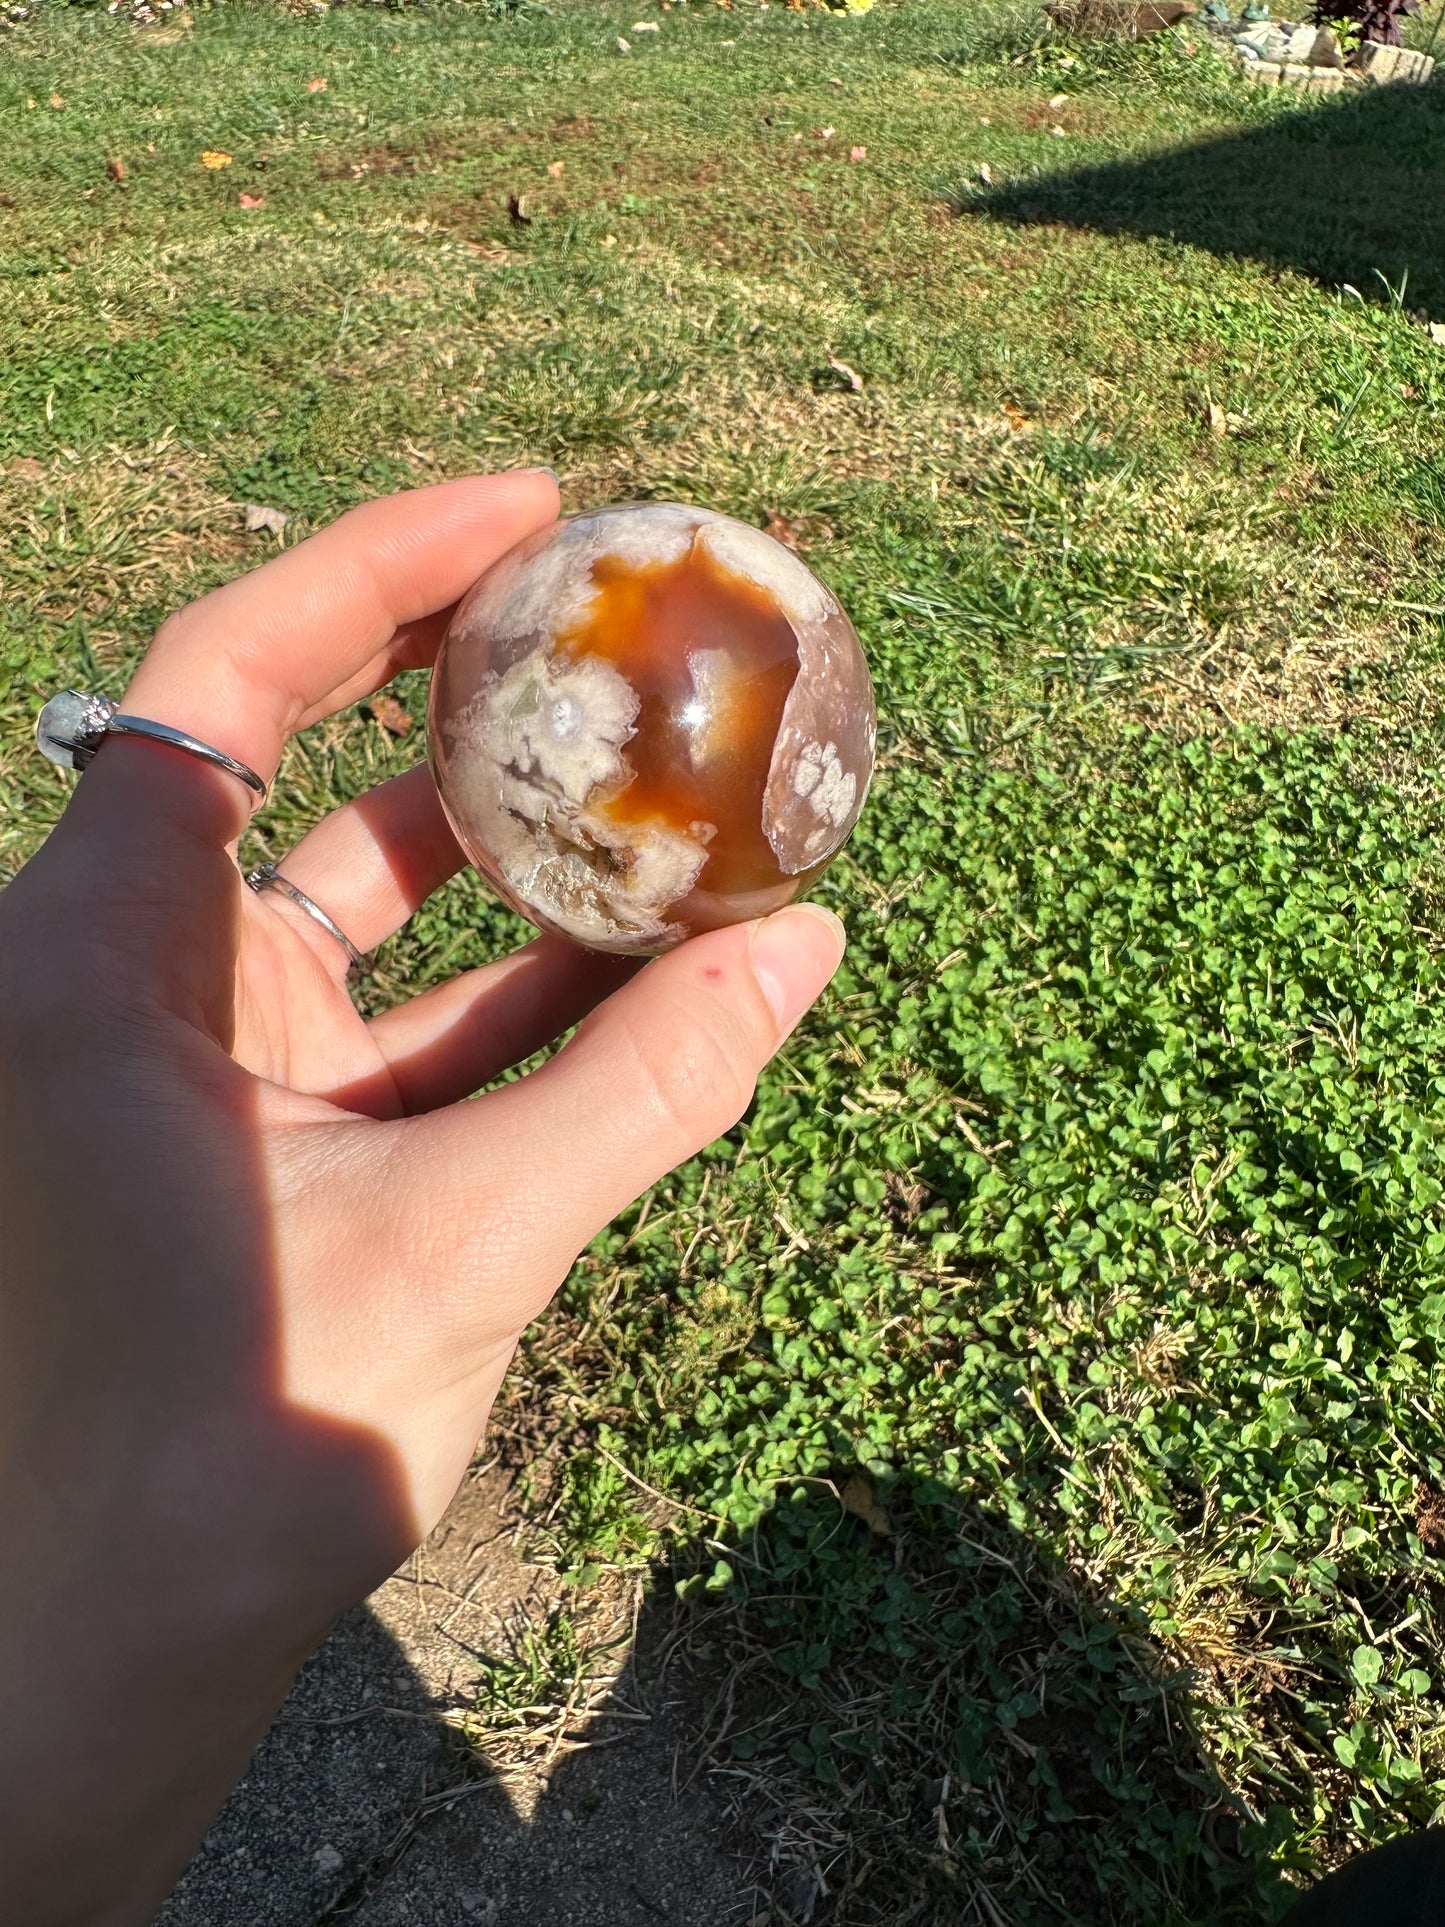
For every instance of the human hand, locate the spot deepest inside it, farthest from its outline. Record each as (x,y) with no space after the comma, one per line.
(262,1270)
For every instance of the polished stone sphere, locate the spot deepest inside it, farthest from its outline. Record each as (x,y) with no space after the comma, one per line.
(650,721)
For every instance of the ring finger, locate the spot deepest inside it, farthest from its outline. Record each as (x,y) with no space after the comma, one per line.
(373,862)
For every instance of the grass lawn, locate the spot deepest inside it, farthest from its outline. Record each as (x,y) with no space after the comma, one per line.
(1043,1386)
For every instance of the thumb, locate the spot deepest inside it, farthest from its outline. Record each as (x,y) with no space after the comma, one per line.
(666,1065)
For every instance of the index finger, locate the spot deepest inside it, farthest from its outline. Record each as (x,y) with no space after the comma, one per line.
(333,618)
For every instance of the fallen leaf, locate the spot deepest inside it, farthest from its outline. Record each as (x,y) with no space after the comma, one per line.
(214,158)
(609,240)
(26,467)
(908,1199)
(251,200)
(317,86)
(985,173)
(1217,419)
(646,26)
(1430,1516)
(150,147)
(1437,333)
(623,46)
(824,133)
(395,718)
(556,169)
(1058,100)
(115,168)
(517,210)
(984,121)
(781,529)
(857,153)
(858,1498)
(261,520)
(57,101)
(1061,132)
(850,375)
(1017,419)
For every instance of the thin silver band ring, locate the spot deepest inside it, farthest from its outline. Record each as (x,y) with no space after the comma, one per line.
(267,877)
(74,724)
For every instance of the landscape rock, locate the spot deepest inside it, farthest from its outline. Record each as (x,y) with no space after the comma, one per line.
(1393,66)
(1326,51)
(1285,53)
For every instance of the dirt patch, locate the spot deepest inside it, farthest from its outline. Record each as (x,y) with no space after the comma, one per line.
(616,1836)
(1430,1516)
(429,153)
(384,1795)
(573,127)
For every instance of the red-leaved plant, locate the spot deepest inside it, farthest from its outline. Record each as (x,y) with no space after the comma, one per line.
(1377,20)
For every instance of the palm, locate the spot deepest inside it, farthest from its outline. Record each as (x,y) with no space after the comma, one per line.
(295,1022)
(280,1343)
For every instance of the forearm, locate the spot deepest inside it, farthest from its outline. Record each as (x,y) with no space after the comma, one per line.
(144,1649)
(113,1764)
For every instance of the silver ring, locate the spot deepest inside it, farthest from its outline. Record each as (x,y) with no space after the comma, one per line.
(267,877)
(73,725)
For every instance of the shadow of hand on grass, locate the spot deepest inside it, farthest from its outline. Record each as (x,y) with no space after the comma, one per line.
(1350,190)
(913,1718)
(936,1722)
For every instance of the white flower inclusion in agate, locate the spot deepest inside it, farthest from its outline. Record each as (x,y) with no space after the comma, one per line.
(650,721)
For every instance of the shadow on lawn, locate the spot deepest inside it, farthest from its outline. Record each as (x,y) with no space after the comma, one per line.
(905,1723)
(938,1723)
(1348,191)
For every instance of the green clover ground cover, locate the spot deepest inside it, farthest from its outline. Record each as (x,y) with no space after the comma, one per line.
(1159,1040)
(1043,1383)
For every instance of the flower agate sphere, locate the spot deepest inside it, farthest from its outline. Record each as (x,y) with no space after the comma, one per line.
(650,721)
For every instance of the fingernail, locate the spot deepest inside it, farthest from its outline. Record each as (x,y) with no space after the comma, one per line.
(793,953)
(550,472)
